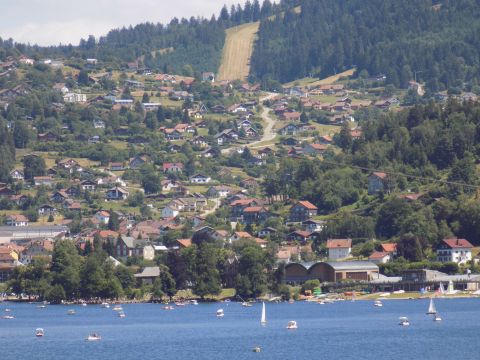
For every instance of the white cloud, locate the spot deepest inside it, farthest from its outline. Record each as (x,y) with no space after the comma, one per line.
(49,22)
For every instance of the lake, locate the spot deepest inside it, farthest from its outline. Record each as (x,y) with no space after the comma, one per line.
(346,330)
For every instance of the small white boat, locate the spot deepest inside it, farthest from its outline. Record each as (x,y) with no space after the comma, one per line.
(377,303)
(403,321)
(263,320)
(42,306)
(83,304)
(432,310)
(167,307)
(8,317)
(105,305)
(292,325)
(179,304)
(39,332)
(117,308)
(246,304)
(437,317)
(121,314)
(194,302)
(257,349)
(71,312)
(93,337)
(7,310)
(220,313)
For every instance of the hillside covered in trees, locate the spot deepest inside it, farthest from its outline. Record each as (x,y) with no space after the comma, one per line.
(432,41)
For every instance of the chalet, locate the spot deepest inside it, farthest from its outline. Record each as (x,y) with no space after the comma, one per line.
(148,275)
(238,206)
(103,217)
(88,185)
(174,148)
(172,168)
(47,210)
(226,136)
(295,151)
(19,200)
(380,257)
(290,129)
(136,162)
(47,137)
(169,212)
(184,243)
(59,196)
(299,235)
(326,140)
(218,191)
(116,166)
(302,211)
(251,132)
(390,248)
(209,153)
(265,152)
(70,164)
(133,84)
(16,220)
(128,246)
(339,248)
(73,191)
(74,98)
(291,116)
(455,250)
(315,149)
(36,249)
(17,174)
(255,214)
(377,182)
(236,108)
(238,235)
(169,185)
(98,124)
(356,134)
(95,139)
(185,128)
(313,225)
(290,142)
(200,141)
(43,181)
(117,193)
(208,76)
(172,134)
(267,232)
(200,179)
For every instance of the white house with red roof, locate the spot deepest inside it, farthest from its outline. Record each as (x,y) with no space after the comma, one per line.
(102,217)
(172,168)
(380,257)
(455,250)
(16,220)
(339,248)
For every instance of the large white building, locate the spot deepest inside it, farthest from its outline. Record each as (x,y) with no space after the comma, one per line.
(74,98)
(455,250)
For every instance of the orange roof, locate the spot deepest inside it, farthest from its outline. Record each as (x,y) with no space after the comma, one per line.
(185,242)
(319,146)
(458,243)
(108,233)
(302,233)
(103,213)
(241,202)
(243,234)
(253,209)
(17,217)
(378,255)
(308,205)
(339,243)
(389,247)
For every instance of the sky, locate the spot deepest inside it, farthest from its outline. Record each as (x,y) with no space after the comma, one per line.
(50,22)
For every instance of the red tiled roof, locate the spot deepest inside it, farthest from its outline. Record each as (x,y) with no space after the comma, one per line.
(253,209)
(185,242)
(18,217)
(302,233)
(458,243)
(243,234)
(380,175)
(308,205)
(389,247)
(339,243)
(378,255)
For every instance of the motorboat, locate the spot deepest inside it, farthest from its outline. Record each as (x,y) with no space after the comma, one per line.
(121,314)
(377,303)
(71,312)
(8,317)
(220,313)
(7,310)
(39,332)
(167,307)
(41,306)
(403,321)
(194,302)
(83,304)
(437,317)
(105,305)
(292,325)
(246,304)
(93,337)
(257,349)
(117,308)
(179,304)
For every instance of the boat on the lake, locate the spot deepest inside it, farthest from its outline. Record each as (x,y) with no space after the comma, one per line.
(246,304)
(39,332)
(121,314)
(167,307)
(117,308)
(220,313)
(263,320)
(71,312)
(105,305)
(194,302)
(7,310)
(292,325)
(41,306)
(93,337)
(377,303)
(403,321)
(437,317)
(8,317)
(178,303)
(432,310)
(257,349)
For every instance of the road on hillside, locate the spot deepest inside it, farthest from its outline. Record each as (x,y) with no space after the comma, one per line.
(268,132)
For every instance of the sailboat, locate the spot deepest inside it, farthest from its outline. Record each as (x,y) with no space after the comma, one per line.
(263,321)
(431,308)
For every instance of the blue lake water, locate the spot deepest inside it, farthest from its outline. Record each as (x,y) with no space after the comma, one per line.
(343,330)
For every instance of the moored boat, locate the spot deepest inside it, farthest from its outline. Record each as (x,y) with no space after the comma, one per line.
(93,337)
(39,332)
(431,308)
(377,303)
(71,312)
(403,321)
(220,313)
(292,325)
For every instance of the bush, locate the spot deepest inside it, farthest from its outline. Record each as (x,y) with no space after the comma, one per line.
(310,285)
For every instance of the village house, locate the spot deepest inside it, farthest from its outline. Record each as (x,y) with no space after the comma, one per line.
(172,168)
(16,220)
(75,98)
(302,211)
(238,206)
(170,212)
(117,193)
(102,217)
(148,275)
(59,196)
(200,141)
(380,257)
(47,137)
(200,179)
(290,129)
(37,249)
(267,232)
(127,246)
(169,185)
(376,182)
(311,225)
(43,181)
(46,210)
(116,166)
(137,161)
(315,149)
(455,250)
(299,236)
(17,174)
(339,248)
(88,185)
(291,116)
(220,191)
(238,235)
(255,214)
(226,136)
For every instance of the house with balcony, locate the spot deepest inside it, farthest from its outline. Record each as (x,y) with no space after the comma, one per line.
(455,250)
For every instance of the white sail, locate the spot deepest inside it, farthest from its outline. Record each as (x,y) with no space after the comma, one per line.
(264,317)
(431,308)
(441,289)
